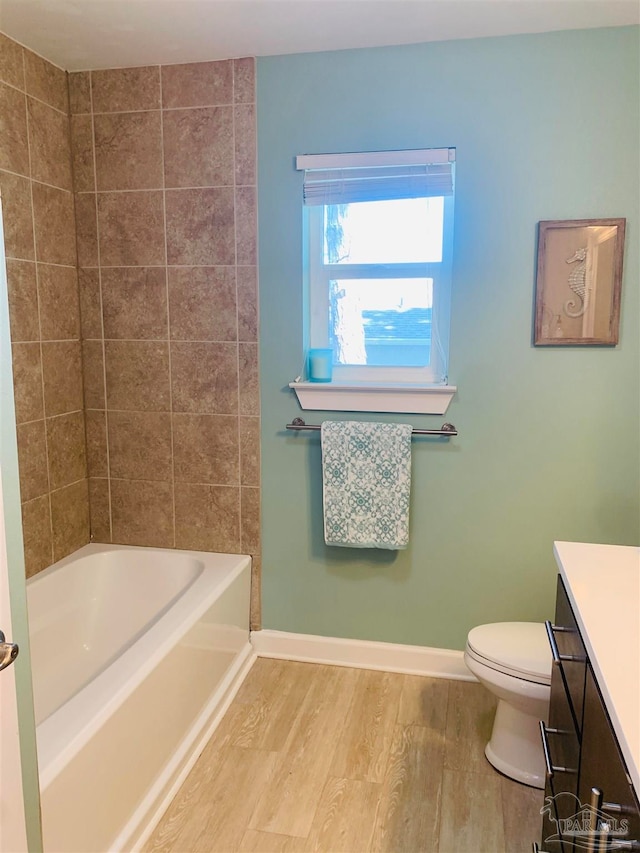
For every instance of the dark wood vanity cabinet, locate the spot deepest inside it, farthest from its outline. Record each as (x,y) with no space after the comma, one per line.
(582,754)
(602,766)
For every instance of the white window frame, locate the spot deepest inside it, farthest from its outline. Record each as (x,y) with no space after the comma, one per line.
(368,388)
(321,274)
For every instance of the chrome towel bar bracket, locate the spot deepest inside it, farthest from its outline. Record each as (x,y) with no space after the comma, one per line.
(446,429)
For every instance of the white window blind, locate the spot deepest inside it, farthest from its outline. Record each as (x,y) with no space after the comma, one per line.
(376,175)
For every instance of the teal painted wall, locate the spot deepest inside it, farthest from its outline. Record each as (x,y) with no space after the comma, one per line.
(546,127)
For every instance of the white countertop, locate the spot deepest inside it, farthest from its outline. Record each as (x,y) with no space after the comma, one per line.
(603,584)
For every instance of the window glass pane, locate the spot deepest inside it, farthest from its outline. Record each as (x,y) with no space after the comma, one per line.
(384,232)
(381,322)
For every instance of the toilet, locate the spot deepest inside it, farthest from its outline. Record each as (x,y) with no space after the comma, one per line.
(513,661)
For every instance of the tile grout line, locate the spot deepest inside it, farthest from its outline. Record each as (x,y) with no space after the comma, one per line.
(135,266)
(77,275)
(101,301)
(182,482)
(166,285)
(235,271)
(51,187)
(176,189)
(33,97)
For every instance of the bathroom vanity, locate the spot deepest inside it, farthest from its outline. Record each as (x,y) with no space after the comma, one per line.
(592,740)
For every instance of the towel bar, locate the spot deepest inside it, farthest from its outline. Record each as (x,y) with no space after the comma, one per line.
(446,429)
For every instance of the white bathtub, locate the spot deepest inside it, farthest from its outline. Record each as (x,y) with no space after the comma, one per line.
(136,653)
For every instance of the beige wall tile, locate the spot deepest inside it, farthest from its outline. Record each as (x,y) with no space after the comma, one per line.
(66,449)
(90,308)
(250,520)
(36,530)
(206,449)
(93,380)
(131,228)
(202,303)
(70,519)
(247,303)
(81,131)
(197,84)
(244,84)
(141,513)
(128,148)
(198,147)
(96,431)
(23,300)
(200,226)
(46,81)
(32,459)
(14,151)
(54,225)
(249,380)
(204,378)
(62,377)
(124,89)
(209,136)
(137,375)
(208,517)
(99,512)
(27,382)
(49,145)
(86,229)
(43,301)
(134,303)
(140,445)
(249,451)
(59,306)
(245,144)
(246,226)
(17,216)
(79,92)
(11,62)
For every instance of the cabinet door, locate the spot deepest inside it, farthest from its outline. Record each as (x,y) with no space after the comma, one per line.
(574,665)
(602,767)
(563,732)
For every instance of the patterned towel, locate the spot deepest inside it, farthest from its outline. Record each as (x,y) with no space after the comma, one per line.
(366,477)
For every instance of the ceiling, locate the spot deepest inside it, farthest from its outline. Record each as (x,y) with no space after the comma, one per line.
(88,34)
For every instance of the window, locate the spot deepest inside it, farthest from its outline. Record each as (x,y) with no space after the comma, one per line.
(379,241)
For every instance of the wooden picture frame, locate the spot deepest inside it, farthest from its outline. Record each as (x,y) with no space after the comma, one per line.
(578,282)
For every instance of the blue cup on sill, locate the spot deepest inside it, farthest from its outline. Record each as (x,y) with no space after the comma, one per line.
(320,365)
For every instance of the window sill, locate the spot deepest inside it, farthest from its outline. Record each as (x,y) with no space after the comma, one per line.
(374,397)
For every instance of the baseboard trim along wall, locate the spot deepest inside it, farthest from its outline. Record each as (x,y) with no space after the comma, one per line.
(361,654)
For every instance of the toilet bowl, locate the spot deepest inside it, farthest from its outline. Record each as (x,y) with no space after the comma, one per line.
(513,661)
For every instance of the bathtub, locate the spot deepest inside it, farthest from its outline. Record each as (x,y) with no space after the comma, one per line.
(136,654)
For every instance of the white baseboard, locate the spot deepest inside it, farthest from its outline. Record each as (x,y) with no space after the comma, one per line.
(361,654)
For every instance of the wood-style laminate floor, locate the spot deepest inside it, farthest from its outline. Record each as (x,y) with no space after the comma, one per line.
(322,758)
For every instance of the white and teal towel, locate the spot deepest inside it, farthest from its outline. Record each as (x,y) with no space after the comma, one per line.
(366,478)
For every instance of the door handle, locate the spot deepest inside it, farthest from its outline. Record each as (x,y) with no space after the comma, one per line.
(8,652)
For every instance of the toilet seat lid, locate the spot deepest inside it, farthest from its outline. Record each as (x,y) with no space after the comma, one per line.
(518,647)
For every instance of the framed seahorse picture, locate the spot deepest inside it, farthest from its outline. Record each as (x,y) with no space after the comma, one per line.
(578,282)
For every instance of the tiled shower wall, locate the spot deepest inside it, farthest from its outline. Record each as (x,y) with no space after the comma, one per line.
(164,172)
(40,244)
(164,177)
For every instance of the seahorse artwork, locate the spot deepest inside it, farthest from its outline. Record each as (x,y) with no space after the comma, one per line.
(578,283)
